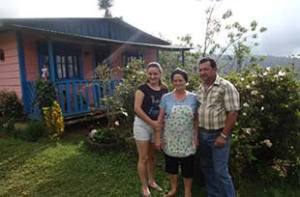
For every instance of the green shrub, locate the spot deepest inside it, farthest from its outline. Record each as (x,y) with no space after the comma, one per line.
(31,131)
(54,121)
(45,95)
(134,75)
(267,133)
(10,109)
(34,131)
(106,136)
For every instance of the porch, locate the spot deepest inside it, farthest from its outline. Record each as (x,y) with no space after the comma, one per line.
(77,98)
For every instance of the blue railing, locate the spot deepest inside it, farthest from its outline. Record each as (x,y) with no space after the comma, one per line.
(76,97)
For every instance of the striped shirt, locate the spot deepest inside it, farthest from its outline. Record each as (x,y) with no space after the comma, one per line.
(221,97)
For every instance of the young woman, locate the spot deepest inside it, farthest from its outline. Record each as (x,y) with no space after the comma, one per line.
(179,133)
(146,107)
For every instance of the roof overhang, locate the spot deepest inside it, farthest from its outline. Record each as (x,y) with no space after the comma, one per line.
(95,39)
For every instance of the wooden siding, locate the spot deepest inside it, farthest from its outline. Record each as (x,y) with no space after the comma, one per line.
(116,57)
(88,67)
(150,55)
(9,68)
(31,57)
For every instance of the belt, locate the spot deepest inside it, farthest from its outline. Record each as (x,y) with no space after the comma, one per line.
(201,129)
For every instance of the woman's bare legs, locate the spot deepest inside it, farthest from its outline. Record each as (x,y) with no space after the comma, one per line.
(142,166)
(173,184)
(151,168)
(187,187)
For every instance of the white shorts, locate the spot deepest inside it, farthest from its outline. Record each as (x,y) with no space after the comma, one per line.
(142,131)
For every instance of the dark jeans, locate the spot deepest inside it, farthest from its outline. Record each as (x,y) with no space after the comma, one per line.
(214,165)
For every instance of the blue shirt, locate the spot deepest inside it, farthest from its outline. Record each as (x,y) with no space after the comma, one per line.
(168,101)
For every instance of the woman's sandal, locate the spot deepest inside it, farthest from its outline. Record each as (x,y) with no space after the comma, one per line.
(145,192)
(154,185)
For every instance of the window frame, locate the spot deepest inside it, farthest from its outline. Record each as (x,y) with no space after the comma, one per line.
(132,55)
(67,60)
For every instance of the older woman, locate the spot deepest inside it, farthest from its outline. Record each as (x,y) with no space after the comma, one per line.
(179,133)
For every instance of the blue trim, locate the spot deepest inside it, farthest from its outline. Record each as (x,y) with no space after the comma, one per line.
(81,63)
(22,71)
(75,96)
(68,97)
(51,61)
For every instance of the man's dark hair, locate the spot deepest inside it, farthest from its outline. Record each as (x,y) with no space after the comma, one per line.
(181,72)
(213,63)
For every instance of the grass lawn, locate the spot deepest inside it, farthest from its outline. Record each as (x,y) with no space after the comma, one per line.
(70,169)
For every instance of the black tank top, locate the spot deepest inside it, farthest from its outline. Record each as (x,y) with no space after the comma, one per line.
(151,100)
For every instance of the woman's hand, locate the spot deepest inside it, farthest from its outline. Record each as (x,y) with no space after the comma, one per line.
(195,142)
(156,125)
(158,143)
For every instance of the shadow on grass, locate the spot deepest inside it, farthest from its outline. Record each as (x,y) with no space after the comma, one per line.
(15,153)
(70,169)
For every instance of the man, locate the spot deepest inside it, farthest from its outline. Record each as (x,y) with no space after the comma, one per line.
(218,112)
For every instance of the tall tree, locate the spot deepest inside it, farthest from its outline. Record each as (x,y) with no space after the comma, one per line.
(105,5)
(240,39)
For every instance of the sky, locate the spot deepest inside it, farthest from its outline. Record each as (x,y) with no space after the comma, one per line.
(173,18)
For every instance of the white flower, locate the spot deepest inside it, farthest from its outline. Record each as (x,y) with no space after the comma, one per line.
(242,79)
(254,92)
(246,105)
(247,130)
(117,123)
(262,108)
(265,73)
(93,133)
(262,96)
(268,68)
(253,82)
(244,114)
(267,142)
(281,73)
(248,86)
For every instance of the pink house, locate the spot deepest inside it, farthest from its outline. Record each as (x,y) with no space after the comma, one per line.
(69,49)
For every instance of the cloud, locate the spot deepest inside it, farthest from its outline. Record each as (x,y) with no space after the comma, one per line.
(282,37)
(10,9)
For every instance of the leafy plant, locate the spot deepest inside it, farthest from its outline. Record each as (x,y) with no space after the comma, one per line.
(45,94)
(134,75)
(54,121)
(34,131)
(106,135)
(266,136)
(10,109)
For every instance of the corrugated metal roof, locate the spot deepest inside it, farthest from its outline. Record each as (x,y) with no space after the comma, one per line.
(106,29)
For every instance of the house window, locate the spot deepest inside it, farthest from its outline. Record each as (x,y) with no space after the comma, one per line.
(66,60)
(128,57)
(67,66)
(2,56)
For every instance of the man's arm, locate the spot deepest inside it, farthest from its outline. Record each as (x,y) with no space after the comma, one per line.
(229,124)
